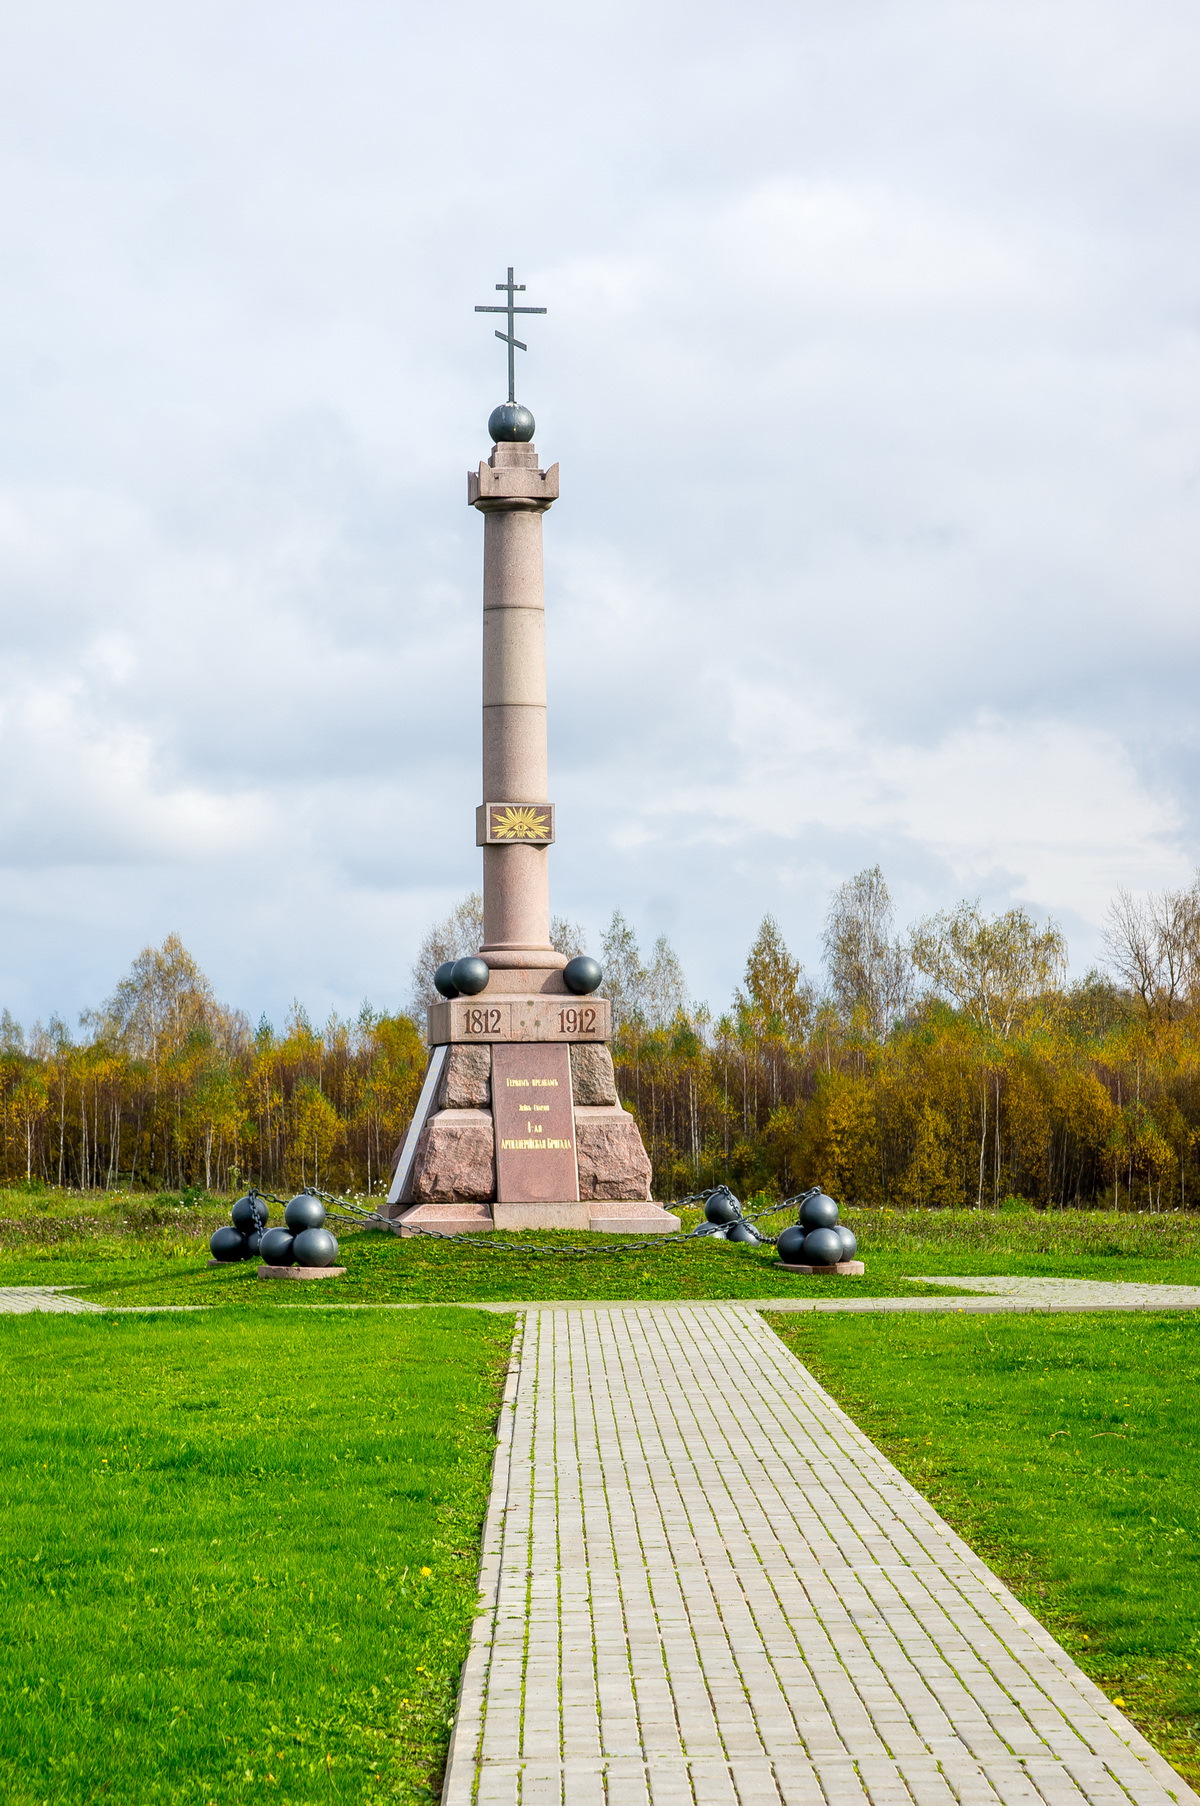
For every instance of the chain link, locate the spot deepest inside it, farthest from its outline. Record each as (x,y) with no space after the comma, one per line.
(349,1212)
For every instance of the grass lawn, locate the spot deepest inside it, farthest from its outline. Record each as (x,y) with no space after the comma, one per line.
(239,1552)
(216,1527)
(133,1250)
(1066,1451)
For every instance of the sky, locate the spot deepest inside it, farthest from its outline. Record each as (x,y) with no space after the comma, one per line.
(872,363)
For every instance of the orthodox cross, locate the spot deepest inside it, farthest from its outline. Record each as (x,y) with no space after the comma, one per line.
(509,338)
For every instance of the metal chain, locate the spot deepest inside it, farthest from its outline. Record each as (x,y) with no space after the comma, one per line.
(348,1211)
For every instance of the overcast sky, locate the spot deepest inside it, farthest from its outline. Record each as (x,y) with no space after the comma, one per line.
(872,366)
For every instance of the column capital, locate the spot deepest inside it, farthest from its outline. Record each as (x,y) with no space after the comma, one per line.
(511,479)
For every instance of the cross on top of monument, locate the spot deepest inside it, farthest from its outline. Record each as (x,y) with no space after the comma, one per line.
(509,338)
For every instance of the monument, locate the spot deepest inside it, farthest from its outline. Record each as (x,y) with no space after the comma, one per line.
(519,1125)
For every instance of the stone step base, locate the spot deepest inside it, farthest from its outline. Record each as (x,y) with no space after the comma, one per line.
(851,1268)
(267,1272)
(601,1217)
(446,1219)
(618,1218)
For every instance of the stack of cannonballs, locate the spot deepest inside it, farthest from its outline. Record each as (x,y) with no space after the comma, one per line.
(817,1239)
(240,1239)
(305,1242)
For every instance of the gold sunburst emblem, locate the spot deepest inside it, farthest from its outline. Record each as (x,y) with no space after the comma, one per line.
(515,822)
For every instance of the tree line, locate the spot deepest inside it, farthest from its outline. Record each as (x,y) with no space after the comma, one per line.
(953,1064)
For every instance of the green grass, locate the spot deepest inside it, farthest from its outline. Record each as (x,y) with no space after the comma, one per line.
(238,1553)
(130,1249)
(164,1262)
(1083,1244)
(1066,1451)
(384,1269)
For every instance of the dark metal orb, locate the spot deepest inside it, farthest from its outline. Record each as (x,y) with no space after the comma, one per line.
(822,1247)
(722,1206)
(819,1212)
(442,980)
(276,1247)
(470,975)
(582,975)
(849,1242)
(304,1212)
(228,1243)
(511,424)
(743,1232)
(253,1244)
(789,1242)
(315,1248)
(244,1217)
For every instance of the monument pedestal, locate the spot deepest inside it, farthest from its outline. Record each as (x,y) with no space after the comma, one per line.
(523,1134)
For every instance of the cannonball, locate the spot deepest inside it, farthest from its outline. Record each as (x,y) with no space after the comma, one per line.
(849,1242)
(822,1248)
(470,975)
(511,424)
(275,1247)
(582,975)
(443,980)
(315,1248)
(304,1212)
(253,1244)
(244,1217)
(742,1231)
(721,1206)
(819,1212)
(228,1243)
(790,1241)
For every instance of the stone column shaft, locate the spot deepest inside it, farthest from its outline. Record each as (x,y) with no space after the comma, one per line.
(513,494)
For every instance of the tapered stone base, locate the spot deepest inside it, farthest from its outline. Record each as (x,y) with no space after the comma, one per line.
(446,1177)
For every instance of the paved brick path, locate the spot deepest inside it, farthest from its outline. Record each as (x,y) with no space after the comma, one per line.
(55,1298)
(1082,1294)
(42,1298)
(704,1584)
(1001,1294)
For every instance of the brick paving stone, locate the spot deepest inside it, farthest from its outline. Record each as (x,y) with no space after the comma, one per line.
(702,1585)
(20,1299)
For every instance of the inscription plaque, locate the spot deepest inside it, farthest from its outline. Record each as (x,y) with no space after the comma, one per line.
(541,1018)
(535,1124)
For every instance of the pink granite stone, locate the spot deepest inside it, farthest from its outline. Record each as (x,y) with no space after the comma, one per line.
(593,1080)
(612,1161)
(467,1080)
(456,1158)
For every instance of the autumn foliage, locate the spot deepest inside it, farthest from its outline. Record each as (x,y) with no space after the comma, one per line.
(170,1088)
(953,1065)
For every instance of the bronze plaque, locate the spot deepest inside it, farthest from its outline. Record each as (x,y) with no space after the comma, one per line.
(535,1123)
(502,824)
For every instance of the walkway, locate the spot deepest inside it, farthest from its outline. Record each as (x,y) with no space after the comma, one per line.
(1081,1294)
(58,1299)
(704,1584)
(1000,1294)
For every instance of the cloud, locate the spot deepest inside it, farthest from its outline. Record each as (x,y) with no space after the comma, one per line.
(872,365)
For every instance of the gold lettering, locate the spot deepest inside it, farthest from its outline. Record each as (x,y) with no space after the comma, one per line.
(532,1146)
